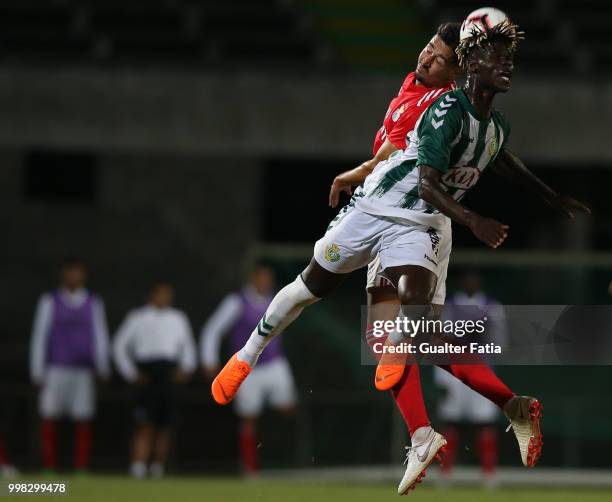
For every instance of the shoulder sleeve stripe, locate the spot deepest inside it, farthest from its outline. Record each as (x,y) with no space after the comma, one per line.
(437,93)
(429,96)
(420,101)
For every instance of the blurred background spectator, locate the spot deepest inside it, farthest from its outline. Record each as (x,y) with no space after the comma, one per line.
(69,347)
(271,380)
(154,351)
(463,411)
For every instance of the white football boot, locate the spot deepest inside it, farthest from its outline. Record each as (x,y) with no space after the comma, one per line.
(419,458)
(525,413)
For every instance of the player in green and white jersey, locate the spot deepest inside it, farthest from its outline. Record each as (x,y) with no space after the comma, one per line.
(404,217)
(450,137)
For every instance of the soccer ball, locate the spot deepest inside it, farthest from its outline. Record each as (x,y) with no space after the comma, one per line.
(481,19)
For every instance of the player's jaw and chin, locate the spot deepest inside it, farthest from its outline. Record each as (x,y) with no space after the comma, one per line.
(424,75)
(428,71)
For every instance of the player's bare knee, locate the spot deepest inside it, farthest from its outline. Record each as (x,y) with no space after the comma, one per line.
(319,281)
(415,293)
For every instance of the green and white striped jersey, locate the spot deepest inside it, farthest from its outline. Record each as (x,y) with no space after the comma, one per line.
(449,136)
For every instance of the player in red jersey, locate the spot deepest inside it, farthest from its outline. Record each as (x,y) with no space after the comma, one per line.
(435,74)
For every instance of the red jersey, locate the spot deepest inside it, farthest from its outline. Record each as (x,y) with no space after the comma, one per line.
(404,111)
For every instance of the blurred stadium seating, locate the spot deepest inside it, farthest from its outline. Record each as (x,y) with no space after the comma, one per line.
(564,36)
(156,31)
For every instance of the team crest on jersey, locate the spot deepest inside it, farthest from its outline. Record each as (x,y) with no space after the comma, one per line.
(493,147)
(464,177)
(332,253)
(396,114)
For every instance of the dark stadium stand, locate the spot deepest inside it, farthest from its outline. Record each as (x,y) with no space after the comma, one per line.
(370,36)
(565,36)
(156,31)
(562,35)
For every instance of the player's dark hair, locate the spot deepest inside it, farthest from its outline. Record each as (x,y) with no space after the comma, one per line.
(73,262)
(262,263)
(160,282)
(505,31)
(449,34)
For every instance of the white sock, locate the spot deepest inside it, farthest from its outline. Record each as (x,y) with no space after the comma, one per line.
(8,471)
(396,337)
(156,470)
(415,312)
(138,470)
(285,308)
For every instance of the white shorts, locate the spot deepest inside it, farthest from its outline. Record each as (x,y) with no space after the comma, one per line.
(68,392)
(462,403)
(355,239)
(268,382)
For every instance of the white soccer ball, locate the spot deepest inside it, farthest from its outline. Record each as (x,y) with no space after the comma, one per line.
(481,20)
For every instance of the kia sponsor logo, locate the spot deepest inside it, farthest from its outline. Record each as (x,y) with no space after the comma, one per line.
(463,177)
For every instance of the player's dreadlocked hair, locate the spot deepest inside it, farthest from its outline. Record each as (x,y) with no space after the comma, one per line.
(449,34)
(479,38)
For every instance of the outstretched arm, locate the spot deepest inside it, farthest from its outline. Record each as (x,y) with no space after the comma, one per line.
(512,168)
(347,180)
(487,230)
(122,349)
(38,344)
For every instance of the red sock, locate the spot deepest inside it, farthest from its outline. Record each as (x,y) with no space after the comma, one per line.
(483,380)
(248,450)
(47,443)
(3,456)
(450,453)
(408,394)
(82,444)
(486,443)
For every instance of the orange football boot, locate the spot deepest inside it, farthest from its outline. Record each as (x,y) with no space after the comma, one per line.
(228,381)
(390,368)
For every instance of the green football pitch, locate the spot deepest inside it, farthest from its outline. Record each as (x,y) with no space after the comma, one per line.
(111,489)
